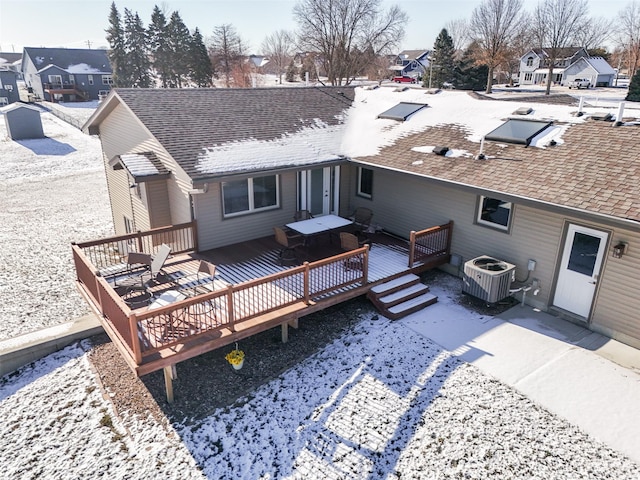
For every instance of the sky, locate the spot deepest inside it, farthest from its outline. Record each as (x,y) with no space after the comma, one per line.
(81,23)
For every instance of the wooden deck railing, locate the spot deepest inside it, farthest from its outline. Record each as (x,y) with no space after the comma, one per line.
(112,252)
(144,332)
(430,245)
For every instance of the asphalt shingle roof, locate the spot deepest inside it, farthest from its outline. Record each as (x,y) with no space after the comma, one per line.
(596,169)
(66,57)
(187,121)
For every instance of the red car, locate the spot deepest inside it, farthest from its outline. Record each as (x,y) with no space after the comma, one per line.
(404,79)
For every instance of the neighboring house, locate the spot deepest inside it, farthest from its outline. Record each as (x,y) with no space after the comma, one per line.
(595,69)
(11,61)
(412,63)
(8,86)
(534,65)
(66,74)
(558,195)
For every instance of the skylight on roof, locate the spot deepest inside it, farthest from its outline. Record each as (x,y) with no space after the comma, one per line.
(402,111)
(517,131)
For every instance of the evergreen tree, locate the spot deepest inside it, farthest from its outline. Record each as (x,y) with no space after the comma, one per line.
(633,95)
(292,71)
(179,42)
(468,75)
(117,50)
(201,70)
(135,36)
(159,48)
(443,61)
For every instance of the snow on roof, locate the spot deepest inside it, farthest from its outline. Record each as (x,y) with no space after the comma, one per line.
(601,65)
(142,164)
(82,68)
(311,145)
(366,134)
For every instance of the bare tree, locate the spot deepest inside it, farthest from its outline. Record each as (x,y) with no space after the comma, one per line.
(629,35)
(557,24)
(521,43)
(494,24)
(459,33)
(225,51)
(342,31)
(279,48)
(594,33)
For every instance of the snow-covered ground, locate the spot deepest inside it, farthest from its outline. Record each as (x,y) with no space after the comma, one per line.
(382,402)
(52,192)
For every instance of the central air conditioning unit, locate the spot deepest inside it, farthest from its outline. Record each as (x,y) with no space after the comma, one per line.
(488,279)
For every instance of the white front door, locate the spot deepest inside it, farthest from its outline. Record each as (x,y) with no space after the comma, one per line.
(318,190)
(579,270)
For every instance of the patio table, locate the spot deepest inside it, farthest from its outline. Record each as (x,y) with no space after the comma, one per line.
(324,224)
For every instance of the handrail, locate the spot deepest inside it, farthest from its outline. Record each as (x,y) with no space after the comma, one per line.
(110,252)
(151,330)
(430,243)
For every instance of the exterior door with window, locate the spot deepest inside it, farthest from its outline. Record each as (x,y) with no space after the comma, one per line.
(582,257)
(55,80)
(318,190)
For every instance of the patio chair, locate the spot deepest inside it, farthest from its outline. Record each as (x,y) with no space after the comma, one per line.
(153,266)
(288,254)
(302,215)
(348,242)
(362,218)
(205,277)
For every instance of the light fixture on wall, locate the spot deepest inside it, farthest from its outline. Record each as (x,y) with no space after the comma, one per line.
(619,249)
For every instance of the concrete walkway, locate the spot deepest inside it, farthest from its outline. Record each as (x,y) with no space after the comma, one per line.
(19,351)
(586,378)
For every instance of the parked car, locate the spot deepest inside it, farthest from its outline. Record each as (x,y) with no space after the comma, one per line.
(580,83)
(404,79)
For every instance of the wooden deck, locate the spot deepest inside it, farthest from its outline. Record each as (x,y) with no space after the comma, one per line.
(251,291)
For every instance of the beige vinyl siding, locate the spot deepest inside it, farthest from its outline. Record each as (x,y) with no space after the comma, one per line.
(118,187)
(215,231)
(121,132)
(158,203)
(617,309)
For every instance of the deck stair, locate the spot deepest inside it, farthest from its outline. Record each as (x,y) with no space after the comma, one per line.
(401,296)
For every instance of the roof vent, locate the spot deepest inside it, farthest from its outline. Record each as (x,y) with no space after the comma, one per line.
(602,116)
(401,89)
(523,111)
(372,87)
(440,150)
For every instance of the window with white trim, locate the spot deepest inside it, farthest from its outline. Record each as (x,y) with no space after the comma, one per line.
(90,79)
(495,213)
(250,195)
(529,61)
(107,80)
(365,182)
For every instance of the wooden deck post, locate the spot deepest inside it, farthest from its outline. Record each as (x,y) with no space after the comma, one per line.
(135,340)
(168,382)
(285,332)
(412,247)
(305,280)
(230,313)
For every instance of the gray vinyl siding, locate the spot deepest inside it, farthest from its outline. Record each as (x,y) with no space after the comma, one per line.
(215,231)
(402,203)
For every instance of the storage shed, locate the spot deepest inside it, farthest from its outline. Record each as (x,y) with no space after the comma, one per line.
(22,121)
